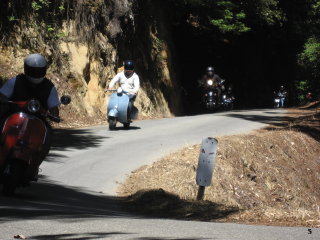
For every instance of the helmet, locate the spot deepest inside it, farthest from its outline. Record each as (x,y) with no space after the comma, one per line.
(128,65)
(210,71)
(35,68)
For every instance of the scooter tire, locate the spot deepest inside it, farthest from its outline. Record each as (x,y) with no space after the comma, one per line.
(14,179)
(126,125)
(112,123)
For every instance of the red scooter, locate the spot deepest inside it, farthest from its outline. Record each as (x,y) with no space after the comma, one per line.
(24,143)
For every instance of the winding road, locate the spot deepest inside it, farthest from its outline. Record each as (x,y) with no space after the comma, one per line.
(75,195)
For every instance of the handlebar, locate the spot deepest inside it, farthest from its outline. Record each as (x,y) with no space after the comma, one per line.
(53,118)
(41,111)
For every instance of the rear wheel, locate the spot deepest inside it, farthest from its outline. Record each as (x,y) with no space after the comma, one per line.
(112,123)
(15,177)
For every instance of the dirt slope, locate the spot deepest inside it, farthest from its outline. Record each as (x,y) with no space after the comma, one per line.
(269,176)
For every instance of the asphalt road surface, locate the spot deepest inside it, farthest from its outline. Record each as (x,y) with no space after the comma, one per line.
(75,195)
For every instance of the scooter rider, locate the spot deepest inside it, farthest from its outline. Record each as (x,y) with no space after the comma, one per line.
(32,84)
(129,82)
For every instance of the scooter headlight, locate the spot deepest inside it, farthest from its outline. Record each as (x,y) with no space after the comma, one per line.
(119,90)
(33,106)
(224,96)
(210,94)
(210,82)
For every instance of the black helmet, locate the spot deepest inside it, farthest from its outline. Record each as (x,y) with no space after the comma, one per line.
(128,65)
(35,68)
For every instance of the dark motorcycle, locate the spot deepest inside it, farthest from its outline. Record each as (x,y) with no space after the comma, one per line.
(25,141)
(279,99)
(227,102)
(211,96)
(210,99)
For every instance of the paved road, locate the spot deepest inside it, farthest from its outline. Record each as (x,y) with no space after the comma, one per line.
(74,197)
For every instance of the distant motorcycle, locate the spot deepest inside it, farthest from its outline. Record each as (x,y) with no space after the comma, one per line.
(279,100)
(227,102)
(118,109)
(210,98)
(276,102)
(24,143)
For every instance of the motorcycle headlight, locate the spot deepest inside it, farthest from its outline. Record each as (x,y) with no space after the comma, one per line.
(210,82)
(33,106)
(210,94)
(224,96)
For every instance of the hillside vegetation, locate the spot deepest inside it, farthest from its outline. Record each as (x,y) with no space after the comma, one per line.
(86,43)
(255,45)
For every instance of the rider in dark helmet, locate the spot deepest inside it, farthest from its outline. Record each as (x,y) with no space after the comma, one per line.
(212,80)
(128,68)
(32,84)
(282,95)
(129,82)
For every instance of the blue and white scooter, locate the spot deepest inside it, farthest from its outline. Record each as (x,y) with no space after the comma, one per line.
(118,109)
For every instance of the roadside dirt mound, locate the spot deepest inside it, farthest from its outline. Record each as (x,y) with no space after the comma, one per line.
(266,177)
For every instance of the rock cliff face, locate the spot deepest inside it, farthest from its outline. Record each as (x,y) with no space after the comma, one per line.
(86,43)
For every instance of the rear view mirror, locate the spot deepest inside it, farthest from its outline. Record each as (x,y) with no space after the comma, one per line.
(65,99)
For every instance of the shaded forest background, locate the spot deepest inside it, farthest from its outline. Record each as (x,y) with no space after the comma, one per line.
(256,46)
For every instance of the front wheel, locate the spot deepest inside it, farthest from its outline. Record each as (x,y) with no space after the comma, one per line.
(112,123)
(15,177)
(126,125)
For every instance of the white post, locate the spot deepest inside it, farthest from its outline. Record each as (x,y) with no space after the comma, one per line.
(206,164)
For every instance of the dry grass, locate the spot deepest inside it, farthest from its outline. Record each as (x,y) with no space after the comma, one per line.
(270,176)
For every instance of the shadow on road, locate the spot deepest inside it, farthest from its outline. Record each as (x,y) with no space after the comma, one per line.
(88,236)
(162,204)
(66,139)
(126,129)
(49,201)
(274,118)
(74,138)
(82,236)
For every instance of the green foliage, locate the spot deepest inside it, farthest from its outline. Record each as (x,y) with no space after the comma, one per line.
(39,4)
(310,55)
(226,15)
(302,87)
(51,10)
(230,18)
(12,18)
(269,11)
(309,61)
